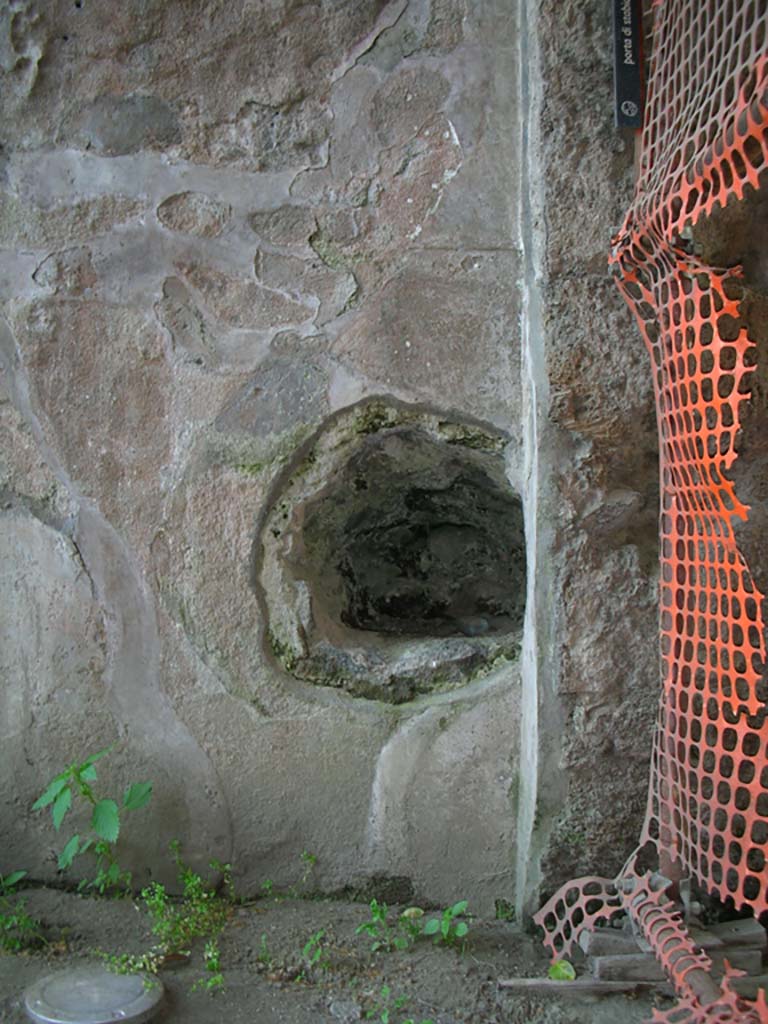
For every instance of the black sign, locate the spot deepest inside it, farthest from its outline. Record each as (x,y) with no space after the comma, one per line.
(627,63)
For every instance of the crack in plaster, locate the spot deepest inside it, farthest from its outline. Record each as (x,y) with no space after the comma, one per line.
(386,20)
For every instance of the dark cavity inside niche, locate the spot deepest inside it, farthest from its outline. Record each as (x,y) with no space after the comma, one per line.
(416,537)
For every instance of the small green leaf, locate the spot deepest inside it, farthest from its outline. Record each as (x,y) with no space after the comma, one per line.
(410,913)
(51,791)
(458,908)
(461,929)
(94,757)
(69,853)
(432,927)
(105,821)
(137,795)
(10,880)
(113,873)
(88,774)
(61,805)
(561,970)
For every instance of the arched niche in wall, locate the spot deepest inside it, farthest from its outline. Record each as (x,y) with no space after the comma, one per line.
(391,559)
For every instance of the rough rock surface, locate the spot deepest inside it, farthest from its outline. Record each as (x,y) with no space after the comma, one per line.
(222,224)
(596,655)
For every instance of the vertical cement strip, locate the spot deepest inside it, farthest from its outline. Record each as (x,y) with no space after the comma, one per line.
(535,396)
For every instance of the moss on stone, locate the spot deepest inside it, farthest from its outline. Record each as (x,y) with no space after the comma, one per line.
(471,437)
(374,417)
(330,254)
(249,468)
(282,651)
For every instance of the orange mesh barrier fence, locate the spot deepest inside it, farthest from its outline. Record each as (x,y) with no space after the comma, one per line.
(705,140)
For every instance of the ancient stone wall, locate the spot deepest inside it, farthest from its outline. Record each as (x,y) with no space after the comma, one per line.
(592,710)
(309,360)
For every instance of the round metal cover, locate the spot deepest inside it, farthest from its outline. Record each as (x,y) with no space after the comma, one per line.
(92,995)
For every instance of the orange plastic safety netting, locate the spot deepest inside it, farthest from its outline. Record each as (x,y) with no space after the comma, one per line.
(705,141)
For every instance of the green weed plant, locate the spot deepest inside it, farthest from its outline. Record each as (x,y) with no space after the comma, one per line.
(410,926)
(74,786)
(448,929)
(200,913)
(18,931)
(386,1006)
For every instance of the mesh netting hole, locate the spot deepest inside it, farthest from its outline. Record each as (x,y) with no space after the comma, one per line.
(755,859)
(572,897)
(724,794)
(738,825)
(729,328)
(750,744)
(730,740)
(753,151)
(742,799)
(751,888)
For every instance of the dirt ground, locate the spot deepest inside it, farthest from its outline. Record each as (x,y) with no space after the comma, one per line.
(262,963)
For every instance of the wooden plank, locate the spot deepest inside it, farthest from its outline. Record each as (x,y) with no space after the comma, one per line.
(748,987)
(748,932)
(581,987)
(608,942)
(704,938)
(629,967)
(749,960)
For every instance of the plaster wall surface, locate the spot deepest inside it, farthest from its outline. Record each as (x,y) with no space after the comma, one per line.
(221,224)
